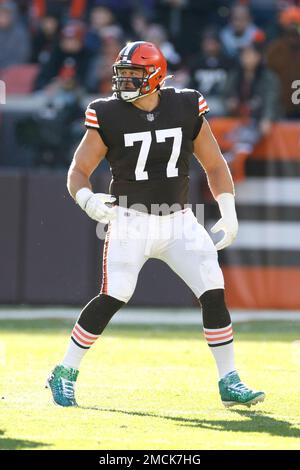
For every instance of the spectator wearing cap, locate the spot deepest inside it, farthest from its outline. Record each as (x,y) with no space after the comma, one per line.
(240,30)
(283,57)
(209,69)
(251,94)
(14,39)
(70,50)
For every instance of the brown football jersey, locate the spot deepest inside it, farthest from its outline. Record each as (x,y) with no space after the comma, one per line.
(149,152)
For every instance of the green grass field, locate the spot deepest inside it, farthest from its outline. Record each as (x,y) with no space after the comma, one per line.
(148,388)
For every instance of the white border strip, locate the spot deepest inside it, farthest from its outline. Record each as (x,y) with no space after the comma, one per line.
(159,316)
(265,235)
(269,191)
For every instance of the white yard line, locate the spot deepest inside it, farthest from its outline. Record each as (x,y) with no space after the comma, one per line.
(146,316)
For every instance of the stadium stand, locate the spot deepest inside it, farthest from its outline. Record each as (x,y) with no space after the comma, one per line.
(263,265)
(19,79)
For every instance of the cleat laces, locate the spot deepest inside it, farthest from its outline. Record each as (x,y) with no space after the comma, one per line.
(240,387)
(68,388)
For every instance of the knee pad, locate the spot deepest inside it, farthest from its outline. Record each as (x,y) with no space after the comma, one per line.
(214,310)
(121,283)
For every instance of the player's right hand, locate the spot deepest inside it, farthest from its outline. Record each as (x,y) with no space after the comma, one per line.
(98,206)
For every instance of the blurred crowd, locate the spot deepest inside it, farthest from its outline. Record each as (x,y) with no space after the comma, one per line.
(242,55)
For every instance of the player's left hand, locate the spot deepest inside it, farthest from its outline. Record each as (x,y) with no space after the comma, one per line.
(228,222)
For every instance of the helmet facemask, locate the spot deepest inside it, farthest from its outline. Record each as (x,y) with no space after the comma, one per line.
(130,88)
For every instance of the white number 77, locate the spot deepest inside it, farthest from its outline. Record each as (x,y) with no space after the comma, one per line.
(146,139)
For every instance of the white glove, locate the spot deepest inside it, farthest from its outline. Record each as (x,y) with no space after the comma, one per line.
(95,205)
(228,222)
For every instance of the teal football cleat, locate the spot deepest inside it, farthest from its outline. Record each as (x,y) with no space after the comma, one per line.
(233,392)
(62,384)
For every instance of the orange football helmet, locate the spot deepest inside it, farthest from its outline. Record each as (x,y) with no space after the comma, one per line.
(143,56)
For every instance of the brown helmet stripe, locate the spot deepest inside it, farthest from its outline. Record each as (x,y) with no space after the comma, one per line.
(128,51)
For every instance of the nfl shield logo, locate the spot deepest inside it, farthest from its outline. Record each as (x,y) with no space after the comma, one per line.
(150,117)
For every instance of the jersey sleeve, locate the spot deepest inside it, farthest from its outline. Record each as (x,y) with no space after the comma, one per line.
(91,118)
(202,105)
(201,109)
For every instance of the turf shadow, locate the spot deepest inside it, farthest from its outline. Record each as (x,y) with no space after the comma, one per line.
(7,443)
(257,422)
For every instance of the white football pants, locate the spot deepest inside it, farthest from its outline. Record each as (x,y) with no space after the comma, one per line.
(177,239)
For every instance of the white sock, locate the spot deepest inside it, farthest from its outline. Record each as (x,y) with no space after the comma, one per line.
(80,342)
(220,341)
(73,356)
(224,357)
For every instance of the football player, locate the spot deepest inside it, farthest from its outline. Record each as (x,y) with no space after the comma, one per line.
(148,133)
